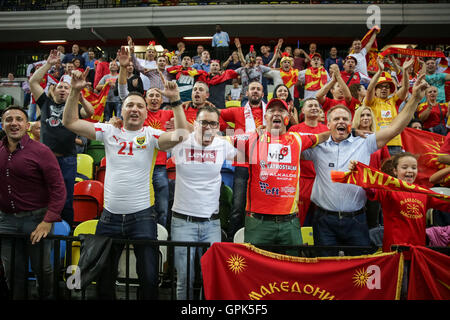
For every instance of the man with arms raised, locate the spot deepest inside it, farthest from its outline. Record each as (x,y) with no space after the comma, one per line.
(130,154)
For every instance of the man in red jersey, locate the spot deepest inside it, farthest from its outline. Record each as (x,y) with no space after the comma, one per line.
(273,186)
(246,119)
(311,111)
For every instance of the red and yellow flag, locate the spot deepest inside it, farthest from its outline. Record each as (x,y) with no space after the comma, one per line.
(290,77)
(367,177)
(242,272)
(429,276)
(372,53)
(427,145)
(98,101)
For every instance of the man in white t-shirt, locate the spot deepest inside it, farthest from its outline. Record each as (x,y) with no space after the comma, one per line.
(359,53)
(130,156)
(195,211)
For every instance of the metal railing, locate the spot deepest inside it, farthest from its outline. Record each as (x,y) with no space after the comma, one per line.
(127,283)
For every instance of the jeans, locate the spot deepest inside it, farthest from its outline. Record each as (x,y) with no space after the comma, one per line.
(68,167)
(239,200)
(330,230)
(32,112)
(136,226)
(25,251)
(182,230)
(110,107)
(161,189)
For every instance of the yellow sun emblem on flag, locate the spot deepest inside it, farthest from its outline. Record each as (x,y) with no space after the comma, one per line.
(236,263)
(360,278)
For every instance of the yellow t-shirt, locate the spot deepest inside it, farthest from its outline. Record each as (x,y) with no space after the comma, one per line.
(385,111)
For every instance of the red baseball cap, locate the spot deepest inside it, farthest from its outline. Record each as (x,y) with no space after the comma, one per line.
(276,101)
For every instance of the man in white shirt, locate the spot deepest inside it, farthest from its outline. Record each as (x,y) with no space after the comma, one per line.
(359,53)
(130,156)
(195,211)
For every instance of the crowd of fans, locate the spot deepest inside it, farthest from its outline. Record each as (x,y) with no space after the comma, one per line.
(242,85)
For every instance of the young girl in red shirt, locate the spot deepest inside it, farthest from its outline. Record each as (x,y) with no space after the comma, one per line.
(404,213)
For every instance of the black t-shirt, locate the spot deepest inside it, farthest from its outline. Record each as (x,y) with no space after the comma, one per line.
(53,133)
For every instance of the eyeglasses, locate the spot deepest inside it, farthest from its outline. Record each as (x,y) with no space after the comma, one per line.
(211,124)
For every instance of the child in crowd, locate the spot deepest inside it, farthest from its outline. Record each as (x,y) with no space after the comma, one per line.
(404,213)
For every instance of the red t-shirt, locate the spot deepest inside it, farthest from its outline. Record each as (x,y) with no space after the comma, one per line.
(274,171)
(356,79)
(404,215)
(307,166)
(157,120)
(434,118)
(236,115)
(329,103)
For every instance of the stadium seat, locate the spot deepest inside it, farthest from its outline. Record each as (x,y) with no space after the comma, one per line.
(132,274)
(96,149)
(61,228)
(87,200)
(100,175)
(239,236)
(232,103)
(84,167)
(307,236)
(86,227)
(430,215)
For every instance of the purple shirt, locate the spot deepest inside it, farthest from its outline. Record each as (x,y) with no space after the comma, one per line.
(31,179)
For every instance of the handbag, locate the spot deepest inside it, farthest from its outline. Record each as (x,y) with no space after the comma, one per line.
(441,128)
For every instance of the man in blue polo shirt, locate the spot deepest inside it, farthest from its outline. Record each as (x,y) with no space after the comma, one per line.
(221,43)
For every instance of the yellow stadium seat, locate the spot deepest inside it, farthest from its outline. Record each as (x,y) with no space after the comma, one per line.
(307,235)
(85,167)
(232,103)
(86,227)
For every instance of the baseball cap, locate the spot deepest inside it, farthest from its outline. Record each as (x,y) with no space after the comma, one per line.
(276,101)
(351,57)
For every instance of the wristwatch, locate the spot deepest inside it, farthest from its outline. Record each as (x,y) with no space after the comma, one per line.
(175,103)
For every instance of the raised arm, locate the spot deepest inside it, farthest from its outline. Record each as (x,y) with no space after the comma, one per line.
(70,116)
(124,60)
(35,80)
(342,84)
(168,140)
(372,39)
(237,43)
(322,93)
(370,94)
(400,122)
(276,54)
(87,109)
(403,91)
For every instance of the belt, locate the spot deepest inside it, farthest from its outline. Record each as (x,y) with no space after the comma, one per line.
(342,214)
(194,219)
(272,217)
(23,214)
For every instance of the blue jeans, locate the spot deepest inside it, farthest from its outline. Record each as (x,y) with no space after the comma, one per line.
(9,223)
(135,226)
(110,107)
(182,230)
(161,188)
(32,112)
(330,230)
(68,167)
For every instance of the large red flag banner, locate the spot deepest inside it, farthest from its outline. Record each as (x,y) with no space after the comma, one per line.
(243,272)
(426,145)
(372,53)
(430,275)
(98,101)
(367,177)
